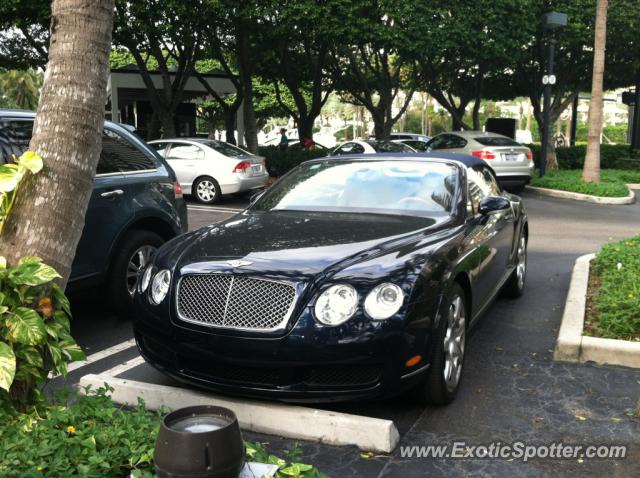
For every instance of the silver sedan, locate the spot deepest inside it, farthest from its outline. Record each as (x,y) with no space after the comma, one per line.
(511,161)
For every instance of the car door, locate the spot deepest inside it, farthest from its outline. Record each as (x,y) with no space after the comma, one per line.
(491,234)
(108,212)
(185,159)
(106,198)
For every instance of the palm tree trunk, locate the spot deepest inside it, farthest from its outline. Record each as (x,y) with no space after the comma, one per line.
(48,215)
(591,171)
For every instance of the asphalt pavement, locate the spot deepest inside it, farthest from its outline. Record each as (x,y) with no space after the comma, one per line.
(511,391)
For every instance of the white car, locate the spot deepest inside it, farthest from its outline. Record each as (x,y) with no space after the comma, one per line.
(371,146)
(209,169)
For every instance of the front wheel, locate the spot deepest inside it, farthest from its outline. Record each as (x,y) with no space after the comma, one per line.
(443,378)
(132,256)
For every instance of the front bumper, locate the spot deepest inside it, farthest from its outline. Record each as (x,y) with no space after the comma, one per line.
(301,366)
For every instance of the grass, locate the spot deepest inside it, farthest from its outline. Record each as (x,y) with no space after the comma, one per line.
(613,182)
(613,303)
(90,436)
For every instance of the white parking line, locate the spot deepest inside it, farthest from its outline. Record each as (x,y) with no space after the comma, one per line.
(123,367)
(213,209)
(99,356)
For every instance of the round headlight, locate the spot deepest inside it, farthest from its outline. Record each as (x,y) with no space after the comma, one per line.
(146,278)
(383,301)
(336,305)
(160,286)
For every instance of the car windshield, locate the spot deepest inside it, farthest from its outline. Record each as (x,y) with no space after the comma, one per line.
(389,147)
(415,188)
(225,148)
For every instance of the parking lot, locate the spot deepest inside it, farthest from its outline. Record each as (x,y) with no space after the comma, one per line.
(511,390)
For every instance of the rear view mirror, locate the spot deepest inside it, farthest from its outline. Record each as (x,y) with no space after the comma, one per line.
(493,204)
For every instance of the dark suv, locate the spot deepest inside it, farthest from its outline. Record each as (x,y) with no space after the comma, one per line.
(135,207)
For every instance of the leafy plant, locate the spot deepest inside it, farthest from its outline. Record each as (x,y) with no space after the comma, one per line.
(35,336)
(11,174)
(280,162)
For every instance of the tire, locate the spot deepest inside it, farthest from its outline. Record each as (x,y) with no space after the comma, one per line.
(137,248)
(206,190)
(514,287)
(442,381)
(517,189)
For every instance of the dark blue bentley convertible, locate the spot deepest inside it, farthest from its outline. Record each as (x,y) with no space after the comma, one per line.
(352,277)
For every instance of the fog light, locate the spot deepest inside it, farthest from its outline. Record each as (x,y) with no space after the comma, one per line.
(201,441)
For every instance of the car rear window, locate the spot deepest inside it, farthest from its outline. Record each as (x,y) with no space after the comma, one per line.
(496,141)
(226,149)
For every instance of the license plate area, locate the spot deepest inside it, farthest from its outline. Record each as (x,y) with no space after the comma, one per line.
(510,156)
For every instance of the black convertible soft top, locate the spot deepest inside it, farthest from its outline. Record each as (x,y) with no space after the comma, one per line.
(465,159)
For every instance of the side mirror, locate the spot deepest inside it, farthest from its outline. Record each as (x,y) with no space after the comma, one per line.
(256,195)
(493,204)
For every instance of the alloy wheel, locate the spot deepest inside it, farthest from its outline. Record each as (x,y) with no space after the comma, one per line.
(454,343)
(206,190)
(521,268)
(137,263)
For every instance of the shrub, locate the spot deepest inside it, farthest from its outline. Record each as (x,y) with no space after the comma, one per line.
(614,310)
(613,182)
(90,436)
(280,162)
(612,156)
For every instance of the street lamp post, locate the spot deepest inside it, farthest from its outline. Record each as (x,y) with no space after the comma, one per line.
(550,21)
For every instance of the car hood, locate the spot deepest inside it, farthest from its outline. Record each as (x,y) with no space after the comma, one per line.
(294,243)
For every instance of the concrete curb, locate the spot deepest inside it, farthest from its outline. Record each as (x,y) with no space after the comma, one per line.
(271,418)
(630,199)
(571,345)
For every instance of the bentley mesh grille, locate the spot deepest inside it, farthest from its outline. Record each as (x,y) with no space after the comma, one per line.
(236,302)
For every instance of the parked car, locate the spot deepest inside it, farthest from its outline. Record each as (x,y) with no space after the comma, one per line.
(371,146)
(352,277)
(511,161)
(135,207)
(208,169)
(416,144)
(410,136)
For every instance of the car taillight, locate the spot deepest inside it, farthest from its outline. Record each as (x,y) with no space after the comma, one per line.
(529,155)
(177,190)
(483,154)
(242,167)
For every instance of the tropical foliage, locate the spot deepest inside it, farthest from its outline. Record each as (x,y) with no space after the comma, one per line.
(35,335)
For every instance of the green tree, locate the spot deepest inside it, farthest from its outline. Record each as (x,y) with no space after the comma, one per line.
(462,45)
(20,88)
(24,40)
(301,36)
(372,63)
(169,32)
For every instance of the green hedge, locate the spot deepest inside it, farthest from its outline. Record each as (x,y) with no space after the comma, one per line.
(280,162)
(611,156)
(615,276)
(613,182)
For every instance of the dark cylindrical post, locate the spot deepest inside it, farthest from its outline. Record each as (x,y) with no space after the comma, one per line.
(574,120)
(547,109)
(635,135)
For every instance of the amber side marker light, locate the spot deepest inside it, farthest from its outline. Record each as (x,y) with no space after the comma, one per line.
(202,441)
(413,361)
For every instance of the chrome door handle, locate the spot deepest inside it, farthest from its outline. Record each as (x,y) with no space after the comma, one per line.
(115,192)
